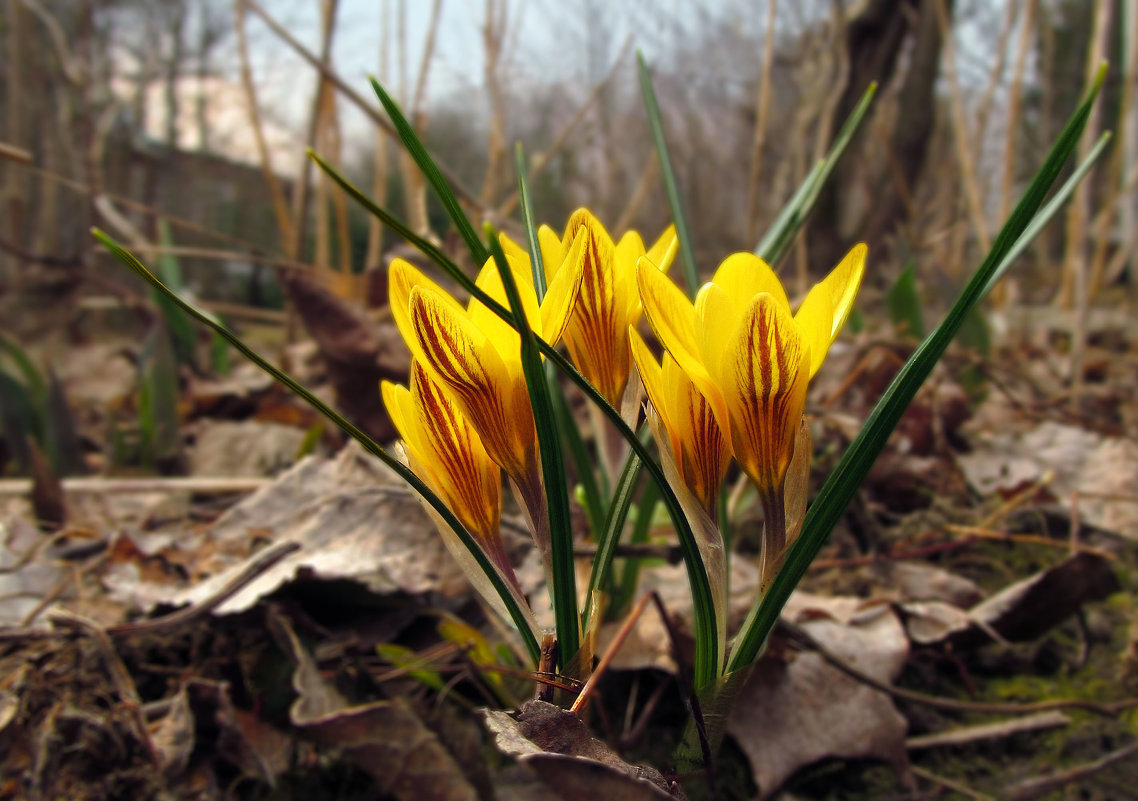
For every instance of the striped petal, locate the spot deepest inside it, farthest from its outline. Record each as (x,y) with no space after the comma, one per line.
(829,303)
(466,361)
(698,446)
(472,481)
(595,334)
(769,365)
(402,277)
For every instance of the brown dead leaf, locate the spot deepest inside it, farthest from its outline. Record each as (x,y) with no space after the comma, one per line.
(790,714)
(353,518)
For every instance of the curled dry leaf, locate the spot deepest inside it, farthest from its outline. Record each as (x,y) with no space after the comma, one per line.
(1022,611)
(572,764)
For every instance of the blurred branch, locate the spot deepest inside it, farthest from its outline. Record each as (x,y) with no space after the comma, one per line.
(493,42)
(281,211)
(960,131)
(1076,283)
(71,70)
(374,114)
(542,160)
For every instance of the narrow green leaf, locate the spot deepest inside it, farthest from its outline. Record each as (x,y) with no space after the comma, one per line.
(777,240)
(582,462)
(671,187)
(537,265)
(835,494)
(614,525)
(433,174)
(520,622)
(183,337)
(564,589)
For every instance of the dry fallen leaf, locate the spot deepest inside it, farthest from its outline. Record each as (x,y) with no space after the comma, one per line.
(792,713)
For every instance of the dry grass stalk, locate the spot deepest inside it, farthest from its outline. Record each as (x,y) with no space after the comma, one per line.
(762,105)
(373,255)
(276,192)
(541,160)
(1076,284)
(493,40)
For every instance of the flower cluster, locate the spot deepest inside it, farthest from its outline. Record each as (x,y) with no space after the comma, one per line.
(731,384)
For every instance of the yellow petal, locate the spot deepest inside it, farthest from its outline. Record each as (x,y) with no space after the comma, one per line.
(402,277)
(663,251)
(671,316)
(466,361)
(717,318)
(397,401)
(561,294)
(551,252)
(628,252)
(744,275)
(828,305)
(653,377)
(471,482)
(513,249)
(770,370)
(501,333)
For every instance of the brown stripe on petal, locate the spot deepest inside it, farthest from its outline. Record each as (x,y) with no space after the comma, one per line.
(766,376)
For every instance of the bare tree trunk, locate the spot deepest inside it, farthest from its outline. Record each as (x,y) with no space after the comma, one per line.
(874,41)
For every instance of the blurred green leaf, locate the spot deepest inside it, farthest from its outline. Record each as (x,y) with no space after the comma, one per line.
(19,420)
(33,380)
(904,304)
(158,397)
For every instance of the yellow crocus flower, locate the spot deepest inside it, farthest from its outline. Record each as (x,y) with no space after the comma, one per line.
(476,357)
(699,449)
(751,358)
(444,450)
(447,454)
(609,301)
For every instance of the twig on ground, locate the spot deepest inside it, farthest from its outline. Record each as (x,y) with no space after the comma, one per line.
(1034,788)
(950,784)
(988,731)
